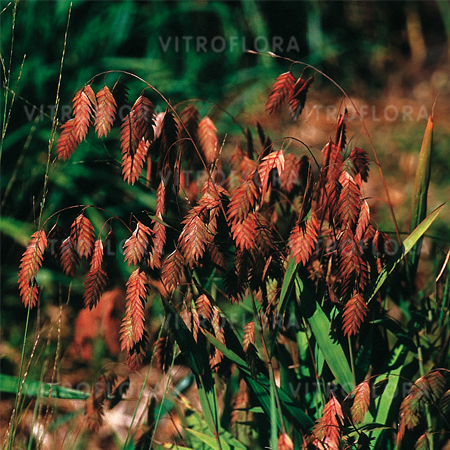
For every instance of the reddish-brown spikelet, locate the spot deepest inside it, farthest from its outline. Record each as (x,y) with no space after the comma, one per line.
(242,201)
(137,126)
(194,236)
(352,267)
(363,221)
(332,159)
(208,139)
(354,312)
(285,442)
(164,353)
(167,149)
(349,203)
(96,278)
(217,355)
(84,105)
(172,271)
(326,433)
(242,164)
(303,239)
(298,96)
(93,414)
(236,158)
(82,236)
(135,247)
(291,173)
(93,418)
(187,134)
(360,161)
(106,112)
(204,307)
(426,390)
(340,139)
(29,266)
(274,160)
(192,321)
(132,328)
(132,163)
(161,198)
(159,239)
(158,125)
(424,442)
(67,141)
(361,401)
(143,120)
(282,89)
(249,335)
(135,361)
(68,257)
(244,232)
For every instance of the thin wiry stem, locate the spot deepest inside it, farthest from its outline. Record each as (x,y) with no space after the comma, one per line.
(7,75)
(22,376)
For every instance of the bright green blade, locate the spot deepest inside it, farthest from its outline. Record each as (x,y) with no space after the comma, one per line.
(387,403)
(408,244)
(198,361)
(33,388)
(329,345)
(261,385)
(420,193)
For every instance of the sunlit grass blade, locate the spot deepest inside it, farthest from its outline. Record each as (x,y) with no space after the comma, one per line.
(420,194)
(33,388)
(197,360)
(226,440)
(261,386)
(320,325)
(286,290)
(387,404)
(407,245)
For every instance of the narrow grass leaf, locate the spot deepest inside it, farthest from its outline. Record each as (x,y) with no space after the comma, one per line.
(34,388)
(261,387)
(420,193)
(227,441)
(408,244)
(320,325)
(286,291)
